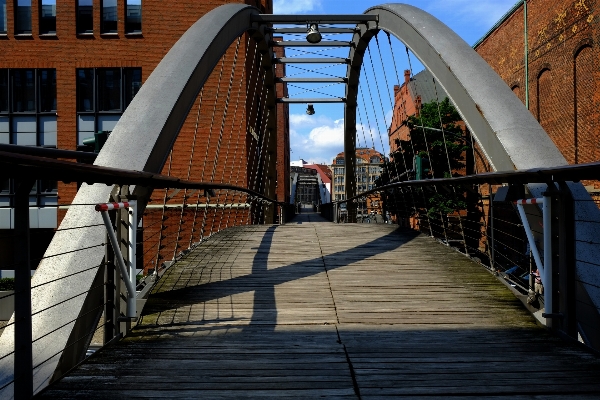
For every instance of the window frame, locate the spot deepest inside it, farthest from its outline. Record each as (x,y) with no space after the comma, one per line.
(10,113)
(4,18)
(18,29)
(79,25)
(95,112)
(41,21)
(103,23)
(130,26)
(40,194)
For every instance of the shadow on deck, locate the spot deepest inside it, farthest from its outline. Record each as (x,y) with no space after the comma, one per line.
(313,309)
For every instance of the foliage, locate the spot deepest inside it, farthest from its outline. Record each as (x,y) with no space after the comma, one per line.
(442,146)
(443,205)
(7,284)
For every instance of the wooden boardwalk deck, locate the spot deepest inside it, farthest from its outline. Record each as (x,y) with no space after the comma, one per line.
(318,310)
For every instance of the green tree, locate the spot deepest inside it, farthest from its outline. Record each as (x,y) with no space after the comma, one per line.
(442,143)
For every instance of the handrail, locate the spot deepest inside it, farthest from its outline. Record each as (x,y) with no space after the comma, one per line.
(574,173)
(48,152)
(27,166)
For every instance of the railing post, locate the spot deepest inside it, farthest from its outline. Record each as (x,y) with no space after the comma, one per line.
(131,254)
(565,262)
(110,316)
(122,218)
(492,244)
(127,264)
(23,337)
(549,290)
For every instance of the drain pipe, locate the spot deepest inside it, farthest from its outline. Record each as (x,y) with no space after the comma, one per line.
(526,56)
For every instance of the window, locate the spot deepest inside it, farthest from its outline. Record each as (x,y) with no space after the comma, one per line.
(23,17)
(109,16)
(43,193)
(3,16)
(85,16)
(133,16)
(339,161)
(48,17)
(375,160)
(102,96)
(3,90)
(28,118)
(109,89)
(28,107)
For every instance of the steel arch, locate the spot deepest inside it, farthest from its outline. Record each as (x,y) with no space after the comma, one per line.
(141,141)
(506,131)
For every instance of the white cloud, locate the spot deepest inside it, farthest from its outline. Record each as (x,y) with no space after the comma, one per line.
(328,136)
(303,121)
(295,6)
(388,118)
(319,138)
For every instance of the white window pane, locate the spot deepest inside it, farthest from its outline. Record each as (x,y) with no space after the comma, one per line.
(47,217)
(24,124)
(33,217)
(85,128)
(85,123)
(5,218)
(48,131)
(24,131)
(107,122)
(48,201)
(4,125)
(25,139)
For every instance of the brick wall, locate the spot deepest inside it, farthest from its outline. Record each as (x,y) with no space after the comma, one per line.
(563,79)
(214,144)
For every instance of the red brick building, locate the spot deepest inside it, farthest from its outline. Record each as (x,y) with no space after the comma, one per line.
(69,69)
(408,99)
(562,59)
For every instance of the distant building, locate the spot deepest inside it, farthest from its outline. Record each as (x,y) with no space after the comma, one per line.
(300,163)
(310,183)
(408,99)
(369,164)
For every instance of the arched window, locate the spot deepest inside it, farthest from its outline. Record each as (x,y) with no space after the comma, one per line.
(517,91)
(544,97)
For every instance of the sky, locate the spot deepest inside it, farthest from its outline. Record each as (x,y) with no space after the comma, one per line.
(319,137)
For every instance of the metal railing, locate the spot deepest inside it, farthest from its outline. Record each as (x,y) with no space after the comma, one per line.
(494,219)
(110,302)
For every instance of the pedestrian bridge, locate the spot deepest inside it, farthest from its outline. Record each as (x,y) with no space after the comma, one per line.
(313,309)
(190,194)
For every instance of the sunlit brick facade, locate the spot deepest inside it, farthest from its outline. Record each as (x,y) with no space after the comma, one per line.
(83,44)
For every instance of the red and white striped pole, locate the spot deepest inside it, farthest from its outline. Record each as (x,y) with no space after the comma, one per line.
(530,201)
(113,206)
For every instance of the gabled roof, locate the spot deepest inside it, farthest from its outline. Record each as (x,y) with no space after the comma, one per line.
(422,85)
(325,173)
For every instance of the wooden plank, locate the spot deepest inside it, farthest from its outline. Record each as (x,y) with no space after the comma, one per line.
(314,309)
